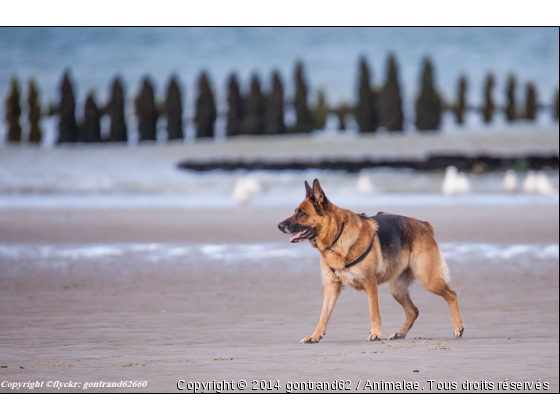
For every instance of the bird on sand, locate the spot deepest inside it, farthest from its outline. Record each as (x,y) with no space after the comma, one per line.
(365,185)
(544,186)
(455,182)
(510,181)
(245,188)
(530,183)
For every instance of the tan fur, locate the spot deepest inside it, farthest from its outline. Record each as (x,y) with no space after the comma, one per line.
(420,257)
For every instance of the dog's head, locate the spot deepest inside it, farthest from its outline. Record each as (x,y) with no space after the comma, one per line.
(309,216)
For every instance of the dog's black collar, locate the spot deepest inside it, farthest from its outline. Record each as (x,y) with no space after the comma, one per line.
(339,233)
(361,257)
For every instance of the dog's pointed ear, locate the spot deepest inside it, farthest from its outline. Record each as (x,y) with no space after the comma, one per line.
(320,196)
(308,191)
(317,190)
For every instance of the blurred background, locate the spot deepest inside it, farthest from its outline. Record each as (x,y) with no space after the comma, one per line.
(376,110)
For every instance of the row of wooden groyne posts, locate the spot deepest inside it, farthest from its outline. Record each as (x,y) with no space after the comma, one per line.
(256,112)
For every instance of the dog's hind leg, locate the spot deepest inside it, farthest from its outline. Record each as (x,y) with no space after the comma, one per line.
(399,290)
(432,270)
(332,290)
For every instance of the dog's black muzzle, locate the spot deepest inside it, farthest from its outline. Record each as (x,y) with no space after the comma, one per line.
(299,233)
(284,226)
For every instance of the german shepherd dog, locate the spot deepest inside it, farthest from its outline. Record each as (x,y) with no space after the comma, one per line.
(364,252)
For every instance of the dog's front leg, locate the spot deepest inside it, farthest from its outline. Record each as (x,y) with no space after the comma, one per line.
(371,290)
(332,290)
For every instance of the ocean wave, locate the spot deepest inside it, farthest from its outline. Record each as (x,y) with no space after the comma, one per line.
(230,253)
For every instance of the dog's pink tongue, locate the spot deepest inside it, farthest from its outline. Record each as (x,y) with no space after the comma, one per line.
(296,236)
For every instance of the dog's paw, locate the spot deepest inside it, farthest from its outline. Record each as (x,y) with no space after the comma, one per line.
(374,337)
(310,340)
(459,333)
(397,336)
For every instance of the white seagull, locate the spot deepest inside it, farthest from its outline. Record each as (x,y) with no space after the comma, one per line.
(510,181)
(530,183)
(365,185)
(544,186)
(244,189)
(455,182)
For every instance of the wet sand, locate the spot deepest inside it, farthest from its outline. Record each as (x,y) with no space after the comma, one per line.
(127,318)
(523,224)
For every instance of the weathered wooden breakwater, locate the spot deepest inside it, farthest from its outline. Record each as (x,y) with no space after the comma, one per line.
(256,112)
(521,150)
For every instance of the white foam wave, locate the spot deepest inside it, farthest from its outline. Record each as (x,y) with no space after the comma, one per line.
(155,252)
(90,252)
(459,251)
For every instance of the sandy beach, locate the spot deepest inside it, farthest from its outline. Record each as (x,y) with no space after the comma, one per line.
(144,172)
(173,295)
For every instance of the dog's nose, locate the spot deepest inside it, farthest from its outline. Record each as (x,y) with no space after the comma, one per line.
(281,226)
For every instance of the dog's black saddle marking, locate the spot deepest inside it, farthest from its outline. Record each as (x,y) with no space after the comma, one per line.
(394,233)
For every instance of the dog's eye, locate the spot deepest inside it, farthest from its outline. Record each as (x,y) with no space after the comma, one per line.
(300,213)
